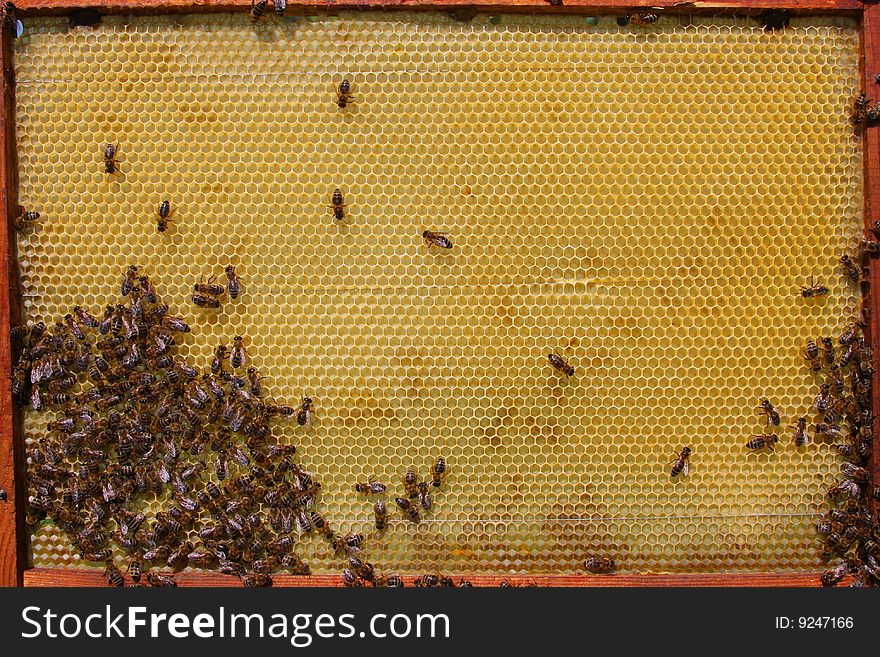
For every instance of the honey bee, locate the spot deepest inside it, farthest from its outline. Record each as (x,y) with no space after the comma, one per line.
(220,354)
(811,355)
(350,578)
(9,17)
(203,301)
(164,217)
(851,269)
(338,204)
(253,376)
(155,579)
(258,7)
(84,317)
(381,514)
(439,471)
(370,488)
(834,574)
(760,441)
(25,220)
(814,290)
(641,19)
(681,464)
(238,353)
(304,416)
(801,437)
(772,414)
(425,496)
(280,6)
(869,248)
(343,93)
(389,581)
(131,276)
(434,238)
(232,282)
(560,364)
(829,430)
(113,575)
(408,509)
(823,399)
(210,288)
(599,565)
(111,152)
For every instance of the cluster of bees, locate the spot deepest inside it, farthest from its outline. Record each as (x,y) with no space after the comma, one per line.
(134,424)
(210,294)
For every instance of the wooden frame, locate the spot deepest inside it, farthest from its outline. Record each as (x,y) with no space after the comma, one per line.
(13,552)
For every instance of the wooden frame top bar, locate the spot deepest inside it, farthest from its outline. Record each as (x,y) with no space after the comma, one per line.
(542,6)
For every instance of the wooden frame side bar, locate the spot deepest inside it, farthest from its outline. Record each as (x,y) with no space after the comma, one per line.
(543,6)
(42,577)
(13,550)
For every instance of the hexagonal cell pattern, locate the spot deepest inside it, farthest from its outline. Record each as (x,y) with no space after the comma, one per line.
(646,202)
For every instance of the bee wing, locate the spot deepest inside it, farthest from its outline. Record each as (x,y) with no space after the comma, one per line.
(686,469)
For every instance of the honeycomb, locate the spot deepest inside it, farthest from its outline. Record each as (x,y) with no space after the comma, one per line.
(644,201)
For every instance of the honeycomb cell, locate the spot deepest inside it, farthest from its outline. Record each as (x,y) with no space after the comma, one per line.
(644,201)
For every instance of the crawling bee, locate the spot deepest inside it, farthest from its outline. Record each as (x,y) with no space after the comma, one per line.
(280,6)
(425,496)
(131,276)
(599,565)
(823,399)
(220,354)
(25,220)
(763,440)
(433,238)
(681,463)
(204,301)
(439,471)
(863,112)
(111,152)
(869,248)
(232,282)
(381,514)
(236,359)
(113,575)
(640,19)
(304,415)
(164,216)
(811,355)
(258,7)
(255,580)
(411,483)
(834,574)
(343,94)
(155,579)
(370,488)
(801,437)
(408,509)
(814,290)
(338,205)
(9,17)
(210,288)
(559,363)
(772,414)
(851,269)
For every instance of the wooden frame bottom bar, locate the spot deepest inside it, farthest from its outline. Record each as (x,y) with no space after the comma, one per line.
(49,577)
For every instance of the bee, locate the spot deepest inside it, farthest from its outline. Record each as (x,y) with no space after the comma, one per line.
(304,416)
(233,284)
(829,430)
(220,354)
(111,153)
(362,569)
(85,317)
(869,248)
(560,364)
(280,6)
(178,558)
(25,220)
(425,496)
(834,574)
(203,301)
(771,413)
(381,514)
(9,17)
(836,381)
(343,94)
(135,568)
(439,471)
(253,376)
(389,581)
(427,581)
(814,290)
(155,579)
(851,269)
(599,565)
(370,488)
(801,437)
(828,353)
(338,205)
(210,288)
(408,509)
(257,9)
(236,359)
(113,575)
(350,579)
(681,463)
(411,483)
(434,238)
(763,440)
(811,355)
(823,399)
(641,19)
